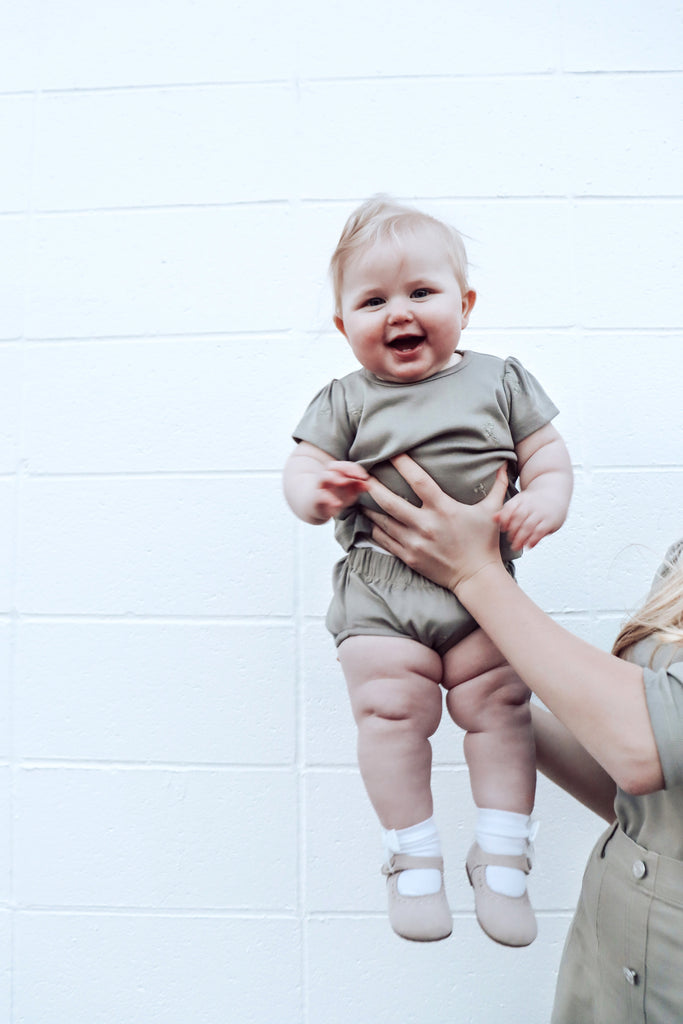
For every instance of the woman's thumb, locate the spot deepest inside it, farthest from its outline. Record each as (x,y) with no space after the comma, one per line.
(497,493)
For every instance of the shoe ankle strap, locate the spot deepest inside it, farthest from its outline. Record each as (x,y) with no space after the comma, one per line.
(479,859)
(402,861)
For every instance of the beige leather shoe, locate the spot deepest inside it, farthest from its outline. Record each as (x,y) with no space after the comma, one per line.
(420,918)
(509,920)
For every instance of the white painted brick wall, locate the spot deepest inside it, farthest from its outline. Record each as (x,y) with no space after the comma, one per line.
(184,835)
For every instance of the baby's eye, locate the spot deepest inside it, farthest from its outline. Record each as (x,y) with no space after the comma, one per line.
(421,293)
(374,301)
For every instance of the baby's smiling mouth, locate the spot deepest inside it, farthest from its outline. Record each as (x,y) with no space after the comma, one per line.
(406,343)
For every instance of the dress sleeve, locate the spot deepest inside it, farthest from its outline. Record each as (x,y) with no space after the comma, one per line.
(327,422)
(529,406)
(664,694)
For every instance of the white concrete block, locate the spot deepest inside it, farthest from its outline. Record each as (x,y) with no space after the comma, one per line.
(159,147)
(13,246)
(86,47)
(329,727)
(11,377)
(156,839)
(198,546)
(318,552)
(5,688)
(636,516)
(191,404)
(617,35)
(632,401)
(7,542)
(156,271)
(624,141)
(6,950)
(156,970)
(567,833)
(361,971)
(16,130)
(500,120)
(519,261)
(628,264)
(5,841)
(489,38)
(158,692)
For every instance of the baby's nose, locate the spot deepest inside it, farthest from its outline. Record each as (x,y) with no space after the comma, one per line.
(399,311)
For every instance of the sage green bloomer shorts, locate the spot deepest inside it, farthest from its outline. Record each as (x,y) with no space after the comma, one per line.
(375,594)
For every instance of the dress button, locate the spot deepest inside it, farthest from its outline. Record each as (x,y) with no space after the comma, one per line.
(639,869)
(630,975)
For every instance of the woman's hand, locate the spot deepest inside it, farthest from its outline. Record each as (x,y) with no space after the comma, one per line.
(443,539)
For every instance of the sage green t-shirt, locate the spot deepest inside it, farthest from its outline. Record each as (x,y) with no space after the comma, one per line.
(460,425)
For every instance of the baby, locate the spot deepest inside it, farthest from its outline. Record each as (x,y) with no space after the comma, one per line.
(402,300)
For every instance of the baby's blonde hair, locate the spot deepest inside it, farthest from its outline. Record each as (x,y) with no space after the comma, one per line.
(380,218)
(661,616)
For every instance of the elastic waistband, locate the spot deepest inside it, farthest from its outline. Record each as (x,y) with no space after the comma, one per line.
(373,564)
(662,876)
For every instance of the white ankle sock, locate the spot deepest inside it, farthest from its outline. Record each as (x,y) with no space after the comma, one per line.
(421,840)
(508,833)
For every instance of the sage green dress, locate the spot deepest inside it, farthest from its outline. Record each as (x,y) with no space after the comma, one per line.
(623,958)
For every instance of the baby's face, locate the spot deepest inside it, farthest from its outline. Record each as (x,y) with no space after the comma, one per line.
(402,310)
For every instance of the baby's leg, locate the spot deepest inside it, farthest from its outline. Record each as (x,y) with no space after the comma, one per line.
(396,699)
(487,699)
(393,685)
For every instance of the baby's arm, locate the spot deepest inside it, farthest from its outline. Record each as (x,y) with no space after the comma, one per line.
(546,480)
(317,487)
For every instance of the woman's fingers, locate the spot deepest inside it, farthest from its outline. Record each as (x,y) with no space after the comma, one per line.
(398,508)
(382,532)
(420,481)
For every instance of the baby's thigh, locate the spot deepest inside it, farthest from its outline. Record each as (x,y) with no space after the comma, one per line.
(392,678)
(483,691)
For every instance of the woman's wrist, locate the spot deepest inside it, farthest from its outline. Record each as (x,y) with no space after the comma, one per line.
(473,588)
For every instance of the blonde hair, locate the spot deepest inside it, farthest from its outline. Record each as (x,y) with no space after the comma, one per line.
(381,218)
(661,616)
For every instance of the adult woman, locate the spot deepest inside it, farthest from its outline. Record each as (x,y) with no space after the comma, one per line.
(615,738)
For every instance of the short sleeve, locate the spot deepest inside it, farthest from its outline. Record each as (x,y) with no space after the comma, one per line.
(327,422)
(664,694)
(529,405)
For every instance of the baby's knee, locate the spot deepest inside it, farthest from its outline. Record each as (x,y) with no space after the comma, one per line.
(495,700)
(394,703)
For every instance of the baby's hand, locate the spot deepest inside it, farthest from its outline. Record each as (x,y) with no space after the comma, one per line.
(529,517)
(338,487)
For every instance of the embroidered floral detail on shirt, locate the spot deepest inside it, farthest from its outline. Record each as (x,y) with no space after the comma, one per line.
(490,431)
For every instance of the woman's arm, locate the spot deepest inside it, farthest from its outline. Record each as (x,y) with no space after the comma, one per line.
(598,697)
(562,759)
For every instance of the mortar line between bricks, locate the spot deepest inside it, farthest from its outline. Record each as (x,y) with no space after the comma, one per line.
(255,474)
(196,913)
(610,198)
(182,474)
(108,765)
(126,618)
(280,81)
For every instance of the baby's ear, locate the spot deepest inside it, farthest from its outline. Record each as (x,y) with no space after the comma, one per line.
(339,324)
(468,300)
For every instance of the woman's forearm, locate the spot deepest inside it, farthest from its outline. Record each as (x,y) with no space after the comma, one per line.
(598,697)
(562,759)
